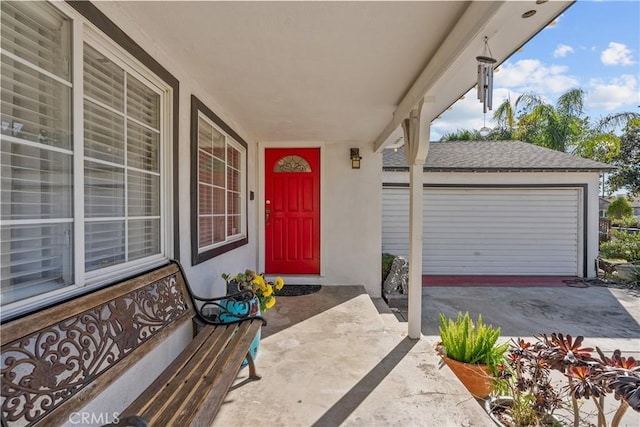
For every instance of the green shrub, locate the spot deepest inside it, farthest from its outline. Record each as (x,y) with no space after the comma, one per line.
(619,208)
(387,260)
(626,222)
(623,245)
(469,342)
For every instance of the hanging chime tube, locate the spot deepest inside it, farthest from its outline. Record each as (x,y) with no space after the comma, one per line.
(485,81)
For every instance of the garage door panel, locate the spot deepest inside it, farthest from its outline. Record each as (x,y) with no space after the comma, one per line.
(482,239)
(504,271)
(489,231)
(506,223)
(461,257)
(513,264)
(498,249)
(567,211)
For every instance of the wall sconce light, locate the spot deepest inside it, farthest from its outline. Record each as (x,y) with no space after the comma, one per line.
(485,77)
(355,158)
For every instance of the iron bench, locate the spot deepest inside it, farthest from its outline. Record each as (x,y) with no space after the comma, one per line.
(53,362)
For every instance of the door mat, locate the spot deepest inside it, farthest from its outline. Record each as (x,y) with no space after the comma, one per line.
(297,290)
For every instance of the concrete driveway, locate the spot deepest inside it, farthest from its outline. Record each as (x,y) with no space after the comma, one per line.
(606,317)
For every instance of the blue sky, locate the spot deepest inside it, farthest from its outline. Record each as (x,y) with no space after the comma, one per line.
(594,45)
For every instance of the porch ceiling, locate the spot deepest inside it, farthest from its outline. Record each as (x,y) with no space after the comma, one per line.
(332,71)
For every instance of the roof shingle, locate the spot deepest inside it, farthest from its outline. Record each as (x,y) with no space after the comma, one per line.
(488,156)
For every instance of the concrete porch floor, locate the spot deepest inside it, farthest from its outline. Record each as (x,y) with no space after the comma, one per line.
(338,357)
(332,358)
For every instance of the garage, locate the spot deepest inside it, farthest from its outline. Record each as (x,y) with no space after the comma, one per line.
(489,231)
(496,208)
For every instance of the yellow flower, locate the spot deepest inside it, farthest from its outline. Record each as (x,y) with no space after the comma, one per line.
(271,302)
(279,283)
(259,280)
(267,292)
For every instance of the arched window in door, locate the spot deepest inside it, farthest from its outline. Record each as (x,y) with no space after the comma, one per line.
(292,163)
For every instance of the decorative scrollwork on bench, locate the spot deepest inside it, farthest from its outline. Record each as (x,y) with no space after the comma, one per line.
(42,370)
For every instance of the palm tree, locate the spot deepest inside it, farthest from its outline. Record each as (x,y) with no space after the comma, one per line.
(462,135)
(600,141)
(505,116)
(560,127)
(563,127)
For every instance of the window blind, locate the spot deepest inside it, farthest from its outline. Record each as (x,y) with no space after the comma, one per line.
(36,231)
(43,233)
(122,167)
(219,187)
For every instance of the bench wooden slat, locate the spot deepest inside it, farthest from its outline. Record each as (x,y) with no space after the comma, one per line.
(190,382)
(217,381)
(140,405)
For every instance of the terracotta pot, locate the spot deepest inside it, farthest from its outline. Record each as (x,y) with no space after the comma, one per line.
(476,378)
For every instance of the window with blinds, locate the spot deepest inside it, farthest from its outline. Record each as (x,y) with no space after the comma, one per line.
(121,166)
(221,186)
(36,232)
(51,235)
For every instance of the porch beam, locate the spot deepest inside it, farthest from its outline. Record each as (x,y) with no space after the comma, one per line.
(471,23)
(416,146)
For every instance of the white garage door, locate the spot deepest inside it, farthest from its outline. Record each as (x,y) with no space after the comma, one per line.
(489,231)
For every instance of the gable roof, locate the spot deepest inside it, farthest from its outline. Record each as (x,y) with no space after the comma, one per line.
(493,156)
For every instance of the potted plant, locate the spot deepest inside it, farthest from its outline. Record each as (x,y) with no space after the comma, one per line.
(262,289)
(526,395)
(242,303)
(590,377)
(533,398)
(471,351)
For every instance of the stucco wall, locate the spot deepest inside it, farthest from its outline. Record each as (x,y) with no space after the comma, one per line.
(205,277)
(351,218)
(591,179)
(351,199)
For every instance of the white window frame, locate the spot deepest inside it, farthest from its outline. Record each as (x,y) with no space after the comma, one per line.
(82,32)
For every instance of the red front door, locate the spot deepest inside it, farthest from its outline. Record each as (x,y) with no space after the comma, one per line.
(292,210)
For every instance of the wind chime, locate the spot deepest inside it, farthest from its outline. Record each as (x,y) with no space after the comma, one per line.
(485,77)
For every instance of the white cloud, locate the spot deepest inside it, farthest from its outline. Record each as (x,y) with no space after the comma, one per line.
(619,92)
(466,114)
(616,54)
(531,75)
(562,50)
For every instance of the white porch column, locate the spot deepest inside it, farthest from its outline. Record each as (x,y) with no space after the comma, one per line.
(416,148)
